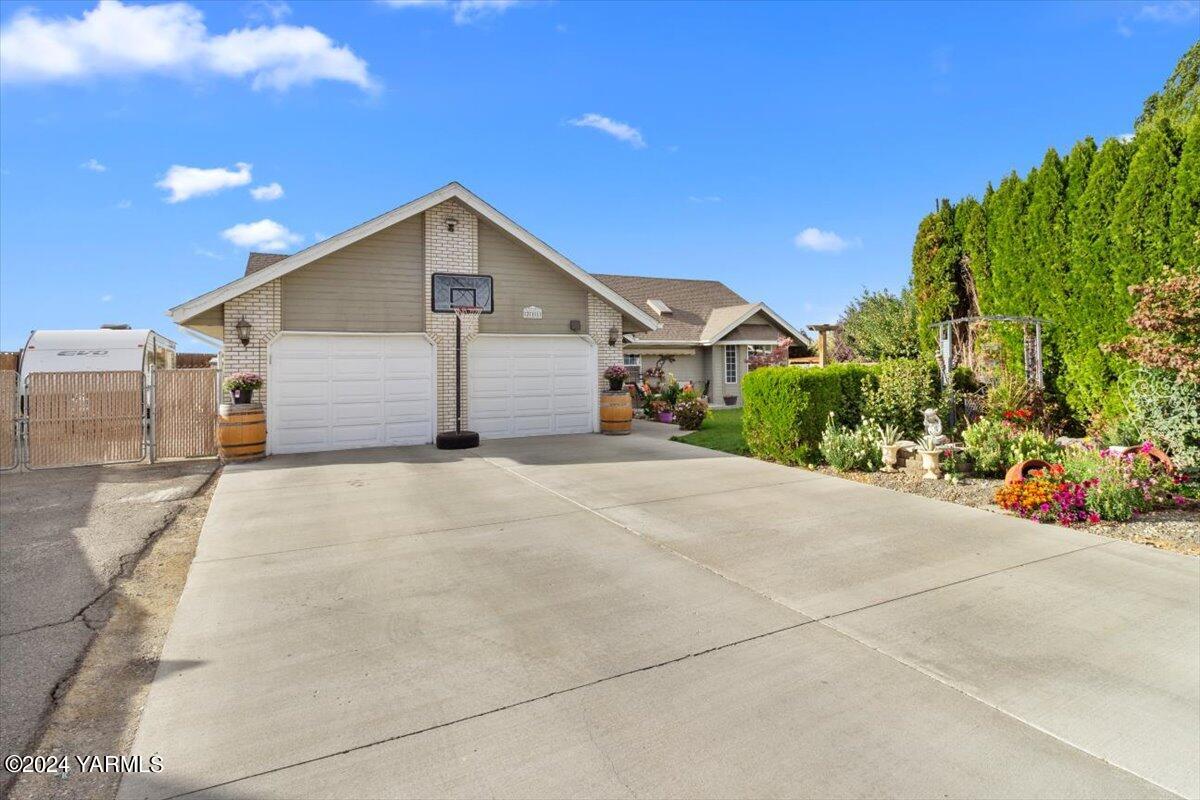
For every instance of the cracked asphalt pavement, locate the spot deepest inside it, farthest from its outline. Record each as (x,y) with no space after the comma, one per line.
(66,536)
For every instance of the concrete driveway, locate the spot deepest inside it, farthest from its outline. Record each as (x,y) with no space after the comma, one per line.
(625,617)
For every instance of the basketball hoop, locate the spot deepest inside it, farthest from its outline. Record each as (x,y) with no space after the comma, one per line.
(466,296)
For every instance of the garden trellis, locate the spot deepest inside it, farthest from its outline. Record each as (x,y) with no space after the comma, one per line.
(956,344)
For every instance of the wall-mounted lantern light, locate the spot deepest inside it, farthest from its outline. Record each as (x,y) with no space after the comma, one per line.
(243,331)
(613,335)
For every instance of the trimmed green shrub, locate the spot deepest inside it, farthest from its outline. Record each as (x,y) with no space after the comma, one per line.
(905,389)
(995,446)
(785,409)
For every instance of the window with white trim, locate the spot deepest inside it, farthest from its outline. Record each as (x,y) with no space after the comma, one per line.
(633,361)
(731,375)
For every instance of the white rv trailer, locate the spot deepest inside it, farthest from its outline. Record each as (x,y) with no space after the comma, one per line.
(100,350)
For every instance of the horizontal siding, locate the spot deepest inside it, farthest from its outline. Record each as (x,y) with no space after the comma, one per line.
(523,278)
(374,285)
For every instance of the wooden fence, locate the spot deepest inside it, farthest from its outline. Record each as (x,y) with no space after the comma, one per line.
(79,418)
(185,409)
(9,413)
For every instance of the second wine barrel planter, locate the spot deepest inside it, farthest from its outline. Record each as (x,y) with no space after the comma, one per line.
(616,413)
(242,432)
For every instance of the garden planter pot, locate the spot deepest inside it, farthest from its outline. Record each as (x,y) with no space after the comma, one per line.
(1159,457)
(730,399)
(891,454)
(615,384)
(1020,471)
(242,397)
(666,416)
(931,462)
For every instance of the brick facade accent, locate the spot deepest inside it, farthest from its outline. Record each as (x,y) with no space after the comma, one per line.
(449,251)
(261,307)
(601,319)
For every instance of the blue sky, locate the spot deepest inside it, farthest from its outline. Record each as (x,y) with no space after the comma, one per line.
(786,149)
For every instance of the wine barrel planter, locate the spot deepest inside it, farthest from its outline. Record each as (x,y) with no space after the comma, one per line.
(1020,471)
(616,413)
(242,432)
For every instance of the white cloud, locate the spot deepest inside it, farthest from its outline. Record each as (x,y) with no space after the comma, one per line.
(265,194)
(106,298)
(821,241)
(185,183)
(464,12)
(124,204)
(200,251)
(704,198)
(619,130)
(1174,12)
(266,234)
(268,9)
(93,165)
(118,39)
(1125,138)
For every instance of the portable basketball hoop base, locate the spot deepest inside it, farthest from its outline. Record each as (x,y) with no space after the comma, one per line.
(458,439)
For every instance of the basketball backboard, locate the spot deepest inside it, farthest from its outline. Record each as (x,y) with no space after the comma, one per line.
(451,291)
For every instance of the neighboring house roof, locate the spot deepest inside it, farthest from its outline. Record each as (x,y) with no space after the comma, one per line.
(255,278)
(702,312)
(257,261)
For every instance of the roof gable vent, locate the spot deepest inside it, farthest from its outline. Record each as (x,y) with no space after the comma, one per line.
(658,306)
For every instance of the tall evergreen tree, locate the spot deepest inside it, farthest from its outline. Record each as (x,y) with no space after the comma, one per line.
(1092,316)
(1006,242)
(1077,167)
(935,258)
(1141,220)
(973,272)
(1185,203)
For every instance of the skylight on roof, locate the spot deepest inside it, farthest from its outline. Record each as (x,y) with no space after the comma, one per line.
(658,306)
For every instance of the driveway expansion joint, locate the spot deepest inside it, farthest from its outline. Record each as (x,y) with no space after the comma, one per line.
(497,710)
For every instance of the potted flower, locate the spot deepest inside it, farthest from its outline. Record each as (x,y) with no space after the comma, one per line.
(616,375)
(653,377)
(241,386)
(931,456)
(730,399)
(662,410)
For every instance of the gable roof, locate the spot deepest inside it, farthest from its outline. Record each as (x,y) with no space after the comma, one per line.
(267,273)
(702,312)
(257,261)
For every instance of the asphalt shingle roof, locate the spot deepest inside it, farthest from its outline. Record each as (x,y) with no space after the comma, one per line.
(257,261)
(692,304)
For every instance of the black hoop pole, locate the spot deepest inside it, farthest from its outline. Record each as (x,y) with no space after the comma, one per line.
(457,373)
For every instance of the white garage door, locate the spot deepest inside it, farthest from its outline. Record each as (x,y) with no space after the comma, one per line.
(531,385)
(335,392)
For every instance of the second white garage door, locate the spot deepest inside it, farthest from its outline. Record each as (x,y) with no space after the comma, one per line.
(335,392)
(531,385)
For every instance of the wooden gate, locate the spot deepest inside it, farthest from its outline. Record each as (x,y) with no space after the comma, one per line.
(79,418)
(9,414)
(185,413)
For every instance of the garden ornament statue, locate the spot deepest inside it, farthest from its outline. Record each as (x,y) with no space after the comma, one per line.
(933,426)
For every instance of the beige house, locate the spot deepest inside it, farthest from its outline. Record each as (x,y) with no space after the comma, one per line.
(353,356)
(705,335)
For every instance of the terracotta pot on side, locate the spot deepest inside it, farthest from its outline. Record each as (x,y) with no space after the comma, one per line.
(1020,471)
(1162,458)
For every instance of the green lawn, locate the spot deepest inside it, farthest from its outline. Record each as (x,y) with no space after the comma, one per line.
(721,431)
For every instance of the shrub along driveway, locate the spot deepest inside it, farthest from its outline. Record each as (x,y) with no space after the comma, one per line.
(595,616)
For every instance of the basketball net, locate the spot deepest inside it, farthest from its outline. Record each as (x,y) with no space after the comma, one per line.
(462,312)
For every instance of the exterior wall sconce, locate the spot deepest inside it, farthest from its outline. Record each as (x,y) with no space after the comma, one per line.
(613,335)
(243,331)
(450,223)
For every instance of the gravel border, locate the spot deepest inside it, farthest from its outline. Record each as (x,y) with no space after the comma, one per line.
(1174,530)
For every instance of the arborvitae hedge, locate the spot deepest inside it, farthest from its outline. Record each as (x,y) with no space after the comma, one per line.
(1066,243)
(786,409)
